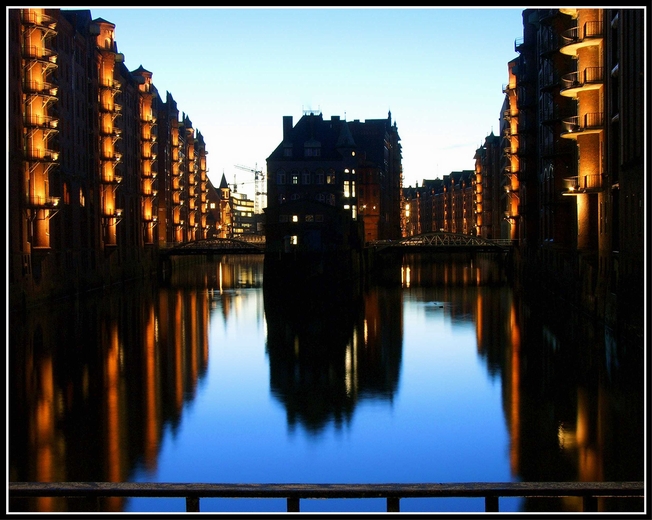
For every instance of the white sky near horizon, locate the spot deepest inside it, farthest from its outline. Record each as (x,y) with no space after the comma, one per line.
(235,72)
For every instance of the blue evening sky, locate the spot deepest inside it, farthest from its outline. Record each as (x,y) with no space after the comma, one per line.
(237,71)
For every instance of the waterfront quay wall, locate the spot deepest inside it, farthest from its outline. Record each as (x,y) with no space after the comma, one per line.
(57,276)
(611,298)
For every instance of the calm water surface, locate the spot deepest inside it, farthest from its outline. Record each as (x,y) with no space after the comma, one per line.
(436,374)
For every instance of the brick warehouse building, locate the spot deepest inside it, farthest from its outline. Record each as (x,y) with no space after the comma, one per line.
(333,184)
(103,171)
(564,178)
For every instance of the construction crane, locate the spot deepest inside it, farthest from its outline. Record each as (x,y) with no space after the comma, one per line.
(259,180)
(235,184)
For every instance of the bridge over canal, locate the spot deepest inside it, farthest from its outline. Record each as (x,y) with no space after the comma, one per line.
(440,242)
(213,246)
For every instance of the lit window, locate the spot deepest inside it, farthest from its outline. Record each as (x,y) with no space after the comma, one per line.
(294,240)
(295,218)
(347,193)
(354,212)
(352,188)
(295,178)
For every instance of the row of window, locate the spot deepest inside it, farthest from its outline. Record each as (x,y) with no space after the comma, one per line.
(319,177)
(307,152)
(306,218)
(309,217)
(327,198)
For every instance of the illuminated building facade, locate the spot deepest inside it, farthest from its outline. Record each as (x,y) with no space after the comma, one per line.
(242,214)
(586,223)
(489,188)
(102,171)
(590,159)
(565,177)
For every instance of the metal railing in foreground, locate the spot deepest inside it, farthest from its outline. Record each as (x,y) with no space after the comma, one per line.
(293,493)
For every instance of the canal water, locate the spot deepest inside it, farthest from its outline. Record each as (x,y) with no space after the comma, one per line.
(436,371)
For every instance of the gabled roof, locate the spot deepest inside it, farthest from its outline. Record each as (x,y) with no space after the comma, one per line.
(345,139)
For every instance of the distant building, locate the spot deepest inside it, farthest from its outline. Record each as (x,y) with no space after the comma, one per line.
(242,215)
(333,184)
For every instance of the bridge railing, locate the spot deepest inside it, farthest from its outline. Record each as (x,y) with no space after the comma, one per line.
(589,492)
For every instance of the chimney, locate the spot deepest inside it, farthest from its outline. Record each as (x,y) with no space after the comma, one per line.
(287,127)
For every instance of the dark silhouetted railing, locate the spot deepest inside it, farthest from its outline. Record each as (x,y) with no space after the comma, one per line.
(293,493)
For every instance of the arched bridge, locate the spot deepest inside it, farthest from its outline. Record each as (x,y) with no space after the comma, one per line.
(442,242)
(211,246)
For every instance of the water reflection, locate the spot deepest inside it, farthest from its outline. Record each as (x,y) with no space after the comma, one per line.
(97,384)
(94,382)
(330,347)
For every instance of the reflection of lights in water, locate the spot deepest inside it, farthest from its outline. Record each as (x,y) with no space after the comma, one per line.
(366,331)
(405,275)
(565,437)
(220,276)
(348,364)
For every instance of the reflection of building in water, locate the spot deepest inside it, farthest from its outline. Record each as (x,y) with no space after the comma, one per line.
(557,407)
(561,419)
(451,269)
(73,383)
(328,349)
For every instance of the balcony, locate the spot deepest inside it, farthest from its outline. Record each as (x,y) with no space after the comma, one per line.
(111,84)
(590,123)
(40,121)
(113,214)
(591,78)
(38,202)
(111,179)
(110,108)
(110,156)
(45,92)
(47,24)
(41,155)
(40,54)
(592,183)
(577,37)
(109,131)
